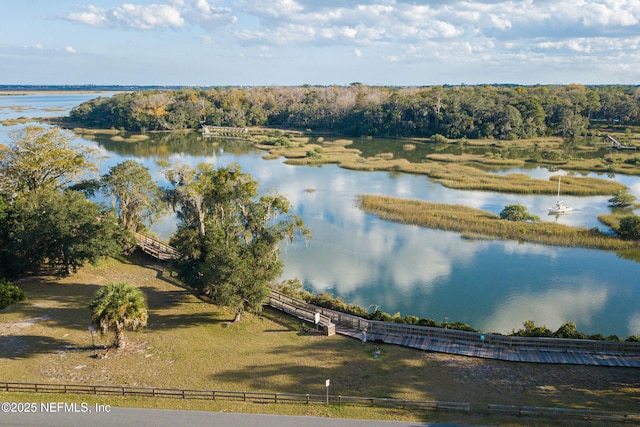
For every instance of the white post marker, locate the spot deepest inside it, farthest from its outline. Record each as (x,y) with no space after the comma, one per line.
(316,318)
(327,384)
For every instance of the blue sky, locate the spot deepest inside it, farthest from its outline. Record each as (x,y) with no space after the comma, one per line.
(294,42)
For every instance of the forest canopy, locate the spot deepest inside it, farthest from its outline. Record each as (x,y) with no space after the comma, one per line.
(486,111)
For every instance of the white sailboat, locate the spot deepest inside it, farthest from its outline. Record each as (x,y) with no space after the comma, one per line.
(560,207)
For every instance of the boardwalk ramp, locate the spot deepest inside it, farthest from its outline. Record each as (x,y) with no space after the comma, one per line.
(156,248)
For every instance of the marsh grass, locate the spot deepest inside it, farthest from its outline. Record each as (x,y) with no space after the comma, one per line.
(17,121)
(86,131)
(312,154)
(337,142)
(476,223)
(191,344)
(132,138)
(450,171)
(475,158)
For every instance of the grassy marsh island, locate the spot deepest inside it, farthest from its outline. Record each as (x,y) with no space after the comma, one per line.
(452,171)
(476,223)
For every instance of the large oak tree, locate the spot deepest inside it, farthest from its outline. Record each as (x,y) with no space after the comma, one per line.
(41,158)
(229,235)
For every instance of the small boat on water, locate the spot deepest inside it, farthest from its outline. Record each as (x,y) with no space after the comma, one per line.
(560,207)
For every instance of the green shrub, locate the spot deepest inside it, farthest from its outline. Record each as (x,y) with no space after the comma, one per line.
(569,330)
(429,322)
(629,228)
(597,337)
(411,320)
(381,316)
(10,294)
(440,139)
(459,326)
(517,212)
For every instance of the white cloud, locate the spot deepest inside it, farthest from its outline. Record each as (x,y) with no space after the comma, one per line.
(133,16)
(93,16)
(69,49)
(148,17)
(610,13)
(37,46)
(270,9)
(155,16)
(500,22)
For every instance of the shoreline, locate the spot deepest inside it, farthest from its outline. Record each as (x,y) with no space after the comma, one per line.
(19,92)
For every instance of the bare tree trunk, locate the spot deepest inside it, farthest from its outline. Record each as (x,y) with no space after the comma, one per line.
(120,342)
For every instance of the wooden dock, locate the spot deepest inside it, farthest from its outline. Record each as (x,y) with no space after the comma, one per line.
(224,131)
(618,146)
(511,354)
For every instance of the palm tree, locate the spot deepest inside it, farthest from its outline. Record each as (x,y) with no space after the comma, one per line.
(117,306)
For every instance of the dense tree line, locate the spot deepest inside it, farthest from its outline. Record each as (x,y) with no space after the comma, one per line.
(503,112)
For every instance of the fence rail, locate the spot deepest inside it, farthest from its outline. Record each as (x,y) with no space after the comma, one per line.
(564,412)
(267,397)
(244,396)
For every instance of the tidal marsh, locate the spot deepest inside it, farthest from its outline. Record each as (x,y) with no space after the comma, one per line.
(476,223)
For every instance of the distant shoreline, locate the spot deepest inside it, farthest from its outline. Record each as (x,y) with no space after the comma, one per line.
(50,92)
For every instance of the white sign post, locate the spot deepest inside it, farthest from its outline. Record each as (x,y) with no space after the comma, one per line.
(326,384)
(316,318)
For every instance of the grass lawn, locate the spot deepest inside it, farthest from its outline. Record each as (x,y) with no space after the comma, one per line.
(192,344)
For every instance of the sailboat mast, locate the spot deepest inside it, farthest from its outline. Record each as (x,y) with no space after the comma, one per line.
(558,187)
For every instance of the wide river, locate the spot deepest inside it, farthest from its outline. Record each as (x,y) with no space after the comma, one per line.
(492,285)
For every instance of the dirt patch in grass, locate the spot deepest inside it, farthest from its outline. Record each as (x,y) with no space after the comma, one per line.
(192,344)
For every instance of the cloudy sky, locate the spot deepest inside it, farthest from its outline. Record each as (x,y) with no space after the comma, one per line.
(293,42)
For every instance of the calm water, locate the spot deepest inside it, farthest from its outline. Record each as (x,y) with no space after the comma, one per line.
(493,286)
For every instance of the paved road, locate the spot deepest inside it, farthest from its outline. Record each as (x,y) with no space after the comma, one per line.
(171,418)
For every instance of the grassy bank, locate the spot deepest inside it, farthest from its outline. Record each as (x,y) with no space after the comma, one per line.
(192,344)
(473,222)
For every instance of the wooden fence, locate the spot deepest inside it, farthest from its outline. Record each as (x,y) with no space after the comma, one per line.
(590,414)
(244,396)
(267,397)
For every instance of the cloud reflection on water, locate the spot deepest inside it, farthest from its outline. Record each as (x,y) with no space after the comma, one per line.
(552,307)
